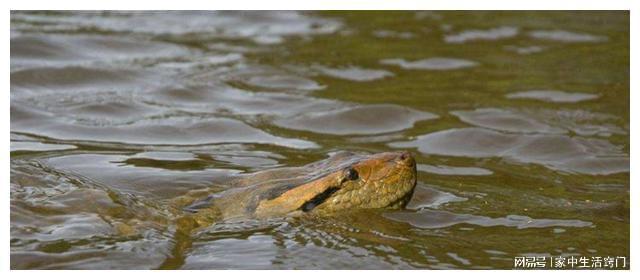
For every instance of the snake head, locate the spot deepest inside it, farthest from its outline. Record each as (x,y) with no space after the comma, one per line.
(371,181)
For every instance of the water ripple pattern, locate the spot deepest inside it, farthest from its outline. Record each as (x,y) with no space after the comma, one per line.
(518,121)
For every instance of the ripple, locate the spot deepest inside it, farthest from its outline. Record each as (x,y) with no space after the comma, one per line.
(553,96)
(37,146)
(353,73)
(505,120)
(246,160)
(76,226)
(543,121)
(598,166)
(435,63)
(163,131)
(453,170)
(61,215)
(276,81)
(30,183)
(393,34)
(36,50)
(62,212)
(488,34)
(566,36)
(429,197)
(167,160)
(557,152)
(264,77)
(87,108)
(261,27)
(465,142)
(107,111)
(223,98)
(139,179)
(459,258)
(168,156)
(74,78)
(525,49)
(111,253)
(431,219)
(581,122)
(231,253)
(208,61)
(202,160)
(363,119)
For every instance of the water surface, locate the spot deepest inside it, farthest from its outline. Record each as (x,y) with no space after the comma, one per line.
(519,122)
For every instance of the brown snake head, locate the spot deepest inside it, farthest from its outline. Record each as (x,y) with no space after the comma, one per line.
(358,181)
(342,182)
(384,180)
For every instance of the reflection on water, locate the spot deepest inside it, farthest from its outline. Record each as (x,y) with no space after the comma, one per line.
(519,123)
(565,36)
(453,170)
(354,73)
(559,152)
(439,219)
(490,34)
(364,119)
(553,96)
(434,63)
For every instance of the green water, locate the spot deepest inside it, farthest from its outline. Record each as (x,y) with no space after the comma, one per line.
(519,123)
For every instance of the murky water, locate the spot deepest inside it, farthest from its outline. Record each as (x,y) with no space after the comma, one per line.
(519,123)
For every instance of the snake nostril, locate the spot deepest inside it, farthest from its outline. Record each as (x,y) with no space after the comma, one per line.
(404,156)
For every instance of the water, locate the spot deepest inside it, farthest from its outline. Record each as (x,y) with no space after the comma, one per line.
(519,122)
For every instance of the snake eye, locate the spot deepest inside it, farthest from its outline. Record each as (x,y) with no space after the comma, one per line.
(352,174)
